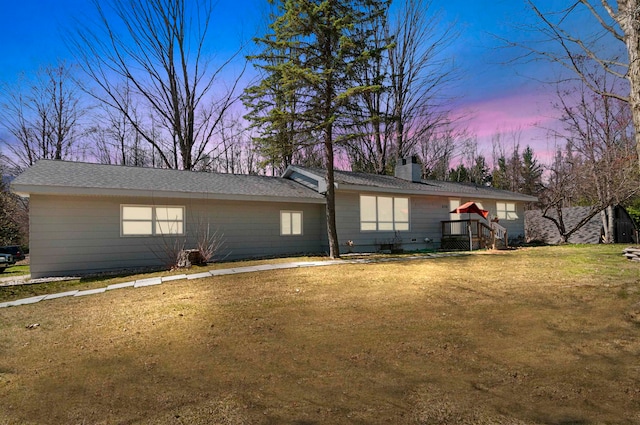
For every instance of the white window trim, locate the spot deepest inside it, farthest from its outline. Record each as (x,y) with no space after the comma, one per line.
(290,213)
(153,221)
(507,213)
(393,221)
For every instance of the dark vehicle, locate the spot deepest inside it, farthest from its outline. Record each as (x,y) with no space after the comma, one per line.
(5,261)
(14,250)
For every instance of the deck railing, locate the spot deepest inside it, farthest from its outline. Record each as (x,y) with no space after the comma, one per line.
(455,234)
(460,227)
(499,231)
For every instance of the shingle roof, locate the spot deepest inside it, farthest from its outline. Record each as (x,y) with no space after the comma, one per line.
(542,229)
(427,187)
(48,176)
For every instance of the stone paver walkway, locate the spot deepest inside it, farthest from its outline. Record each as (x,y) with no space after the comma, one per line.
(220,272)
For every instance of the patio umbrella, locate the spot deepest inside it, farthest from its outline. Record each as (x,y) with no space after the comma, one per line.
(470,207)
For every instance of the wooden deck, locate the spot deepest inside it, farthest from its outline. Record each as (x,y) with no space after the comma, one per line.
(456,235)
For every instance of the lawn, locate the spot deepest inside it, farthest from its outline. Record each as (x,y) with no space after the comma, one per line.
(16,270)
(547,335)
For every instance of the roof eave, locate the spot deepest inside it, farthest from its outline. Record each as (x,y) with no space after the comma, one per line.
(27,190)
(364,188)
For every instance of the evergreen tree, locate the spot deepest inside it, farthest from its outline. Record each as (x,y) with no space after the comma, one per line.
(311,60)
(476,173)
(499,178)
(272,102)
(479,173)
(531,173)
(520,173)
(459,174)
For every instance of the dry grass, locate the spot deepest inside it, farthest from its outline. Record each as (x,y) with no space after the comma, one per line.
(14,292)
(535,336)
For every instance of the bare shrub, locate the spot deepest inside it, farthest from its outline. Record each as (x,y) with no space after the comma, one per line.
(170,251)
(209,242)
(176,252)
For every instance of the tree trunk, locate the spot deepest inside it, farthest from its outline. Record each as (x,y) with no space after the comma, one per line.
(607,224)
(611,224)
(332,232)
(634,98)
(628,15)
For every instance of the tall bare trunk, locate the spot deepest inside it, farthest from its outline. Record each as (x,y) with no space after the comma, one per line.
(611,224)
(633,44)
(332,232)
(629,20)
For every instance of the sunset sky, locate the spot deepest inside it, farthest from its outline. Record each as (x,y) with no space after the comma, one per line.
(493,92)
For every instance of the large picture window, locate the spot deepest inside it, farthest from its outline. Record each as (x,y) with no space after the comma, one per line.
(384,213)
(145,220)
(506,210)
(290,222)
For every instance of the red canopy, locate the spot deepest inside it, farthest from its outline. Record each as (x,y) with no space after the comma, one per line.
(470,207)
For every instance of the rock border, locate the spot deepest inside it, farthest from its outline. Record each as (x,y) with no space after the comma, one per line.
(217,272)
(632,253)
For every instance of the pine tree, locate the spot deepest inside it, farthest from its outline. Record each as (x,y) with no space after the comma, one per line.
(460,174)
(311,61)
(531,173)
(479,172)
(272,102)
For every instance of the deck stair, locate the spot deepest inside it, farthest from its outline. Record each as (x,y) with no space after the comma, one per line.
(456,235)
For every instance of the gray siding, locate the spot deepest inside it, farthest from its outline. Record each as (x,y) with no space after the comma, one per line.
(426,215)
(72,235)
(81,234)
(515,228)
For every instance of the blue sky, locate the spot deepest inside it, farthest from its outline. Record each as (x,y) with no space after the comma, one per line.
(499,96)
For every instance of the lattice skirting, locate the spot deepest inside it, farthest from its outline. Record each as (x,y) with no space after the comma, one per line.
(458,243)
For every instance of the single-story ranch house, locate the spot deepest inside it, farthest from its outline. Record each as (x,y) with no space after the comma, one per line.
(87,218)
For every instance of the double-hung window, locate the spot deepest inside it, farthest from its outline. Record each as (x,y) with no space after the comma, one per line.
(506,211)
(146,220)
(290,223)
(384,213)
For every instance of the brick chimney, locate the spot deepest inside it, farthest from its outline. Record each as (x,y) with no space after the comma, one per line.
(409,169)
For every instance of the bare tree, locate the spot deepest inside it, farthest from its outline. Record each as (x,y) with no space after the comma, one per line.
(599,131)
(157,48)
(45,121)
(413,75)
(116,141)
(234,152)
(14,211)
(420,73)
(438,149)
(369,146)
(615,25)
(559,191)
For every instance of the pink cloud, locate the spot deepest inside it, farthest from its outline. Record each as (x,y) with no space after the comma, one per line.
(527,117)
(509,113)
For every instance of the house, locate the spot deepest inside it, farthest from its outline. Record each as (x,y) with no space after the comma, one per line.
(544,230)
(87,218)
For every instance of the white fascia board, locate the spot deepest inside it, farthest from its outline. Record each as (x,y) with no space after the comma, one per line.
(26,190)
(322,183)
(290,169)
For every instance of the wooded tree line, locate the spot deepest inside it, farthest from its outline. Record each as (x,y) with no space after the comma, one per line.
(358,83)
